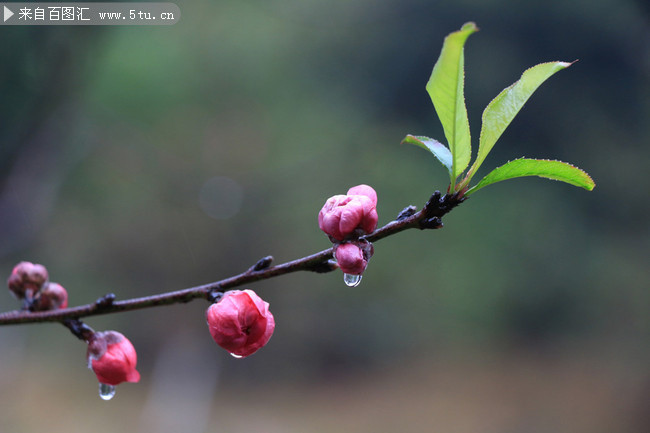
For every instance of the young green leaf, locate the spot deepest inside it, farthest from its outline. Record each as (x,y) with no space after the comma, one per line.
(438,149)
(446,89)
(556,170)
(502,109)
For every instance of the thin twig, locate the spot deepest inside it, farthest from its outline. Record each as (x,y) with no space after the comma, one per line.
(427,218)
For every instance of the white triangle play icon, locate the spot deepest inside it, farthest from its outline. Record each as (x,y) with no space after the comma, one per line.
(8,13)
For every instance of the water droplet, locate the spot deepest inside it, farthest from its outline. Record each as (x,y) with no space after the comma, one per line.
(106,392)
(236,356)
(352,280)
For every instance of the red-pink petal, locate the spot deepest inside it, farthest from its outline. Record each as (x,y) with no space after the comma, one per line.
(350,259)
(240,322)
(117,363)
(365,190)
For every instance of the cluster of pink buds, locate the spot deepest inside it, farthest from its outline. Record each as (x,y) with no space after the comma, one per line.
(30,283)
(345,219)
(240,322)
(112,358)
(110,355)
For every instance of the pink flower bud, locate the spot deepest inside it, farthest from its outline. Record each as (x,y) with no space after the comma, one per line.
(351,258)
(112,358)
(366,190)
(342,215)
(240,322)
(51,297)
(26,279)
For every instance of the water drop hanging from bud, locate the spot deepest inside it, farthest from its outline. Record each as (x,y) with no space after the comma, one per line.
(351,280)
(106,392)
(236,356)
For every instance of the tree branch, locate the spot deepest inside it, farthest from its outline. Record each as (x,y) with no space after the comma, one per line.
(427,218)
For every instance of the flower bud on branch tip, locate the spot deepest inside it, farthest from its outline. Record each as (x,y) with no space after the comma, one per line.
(51,297)
(343,215)
(112,358)
(240,322)
(26,279)
(350,258)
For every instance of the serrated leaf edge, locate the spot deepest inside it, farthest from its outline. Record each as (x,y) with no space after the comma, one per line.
(589,185)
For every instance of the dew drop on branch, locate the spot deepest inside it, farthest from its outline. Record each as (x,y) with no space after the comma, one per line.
(352,280)
(106,392)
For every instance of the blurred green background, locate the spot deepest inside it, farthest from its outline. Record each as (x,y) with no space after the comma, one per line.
(136,160)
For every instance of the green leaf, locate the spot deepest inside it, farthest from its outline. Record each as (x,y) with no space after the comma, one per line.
(446,89)
(438,149)
(556,170)
(502,109)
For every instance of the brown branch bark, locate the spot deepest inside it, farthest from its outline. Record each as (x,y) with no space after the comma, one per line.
(427,218)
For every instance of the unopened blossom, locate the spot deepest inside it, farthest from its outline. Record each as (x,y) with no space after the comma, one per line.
(51,297)
(366,190)
(240,322)
(112,358)
(26,279)
(351,258)
(354,213)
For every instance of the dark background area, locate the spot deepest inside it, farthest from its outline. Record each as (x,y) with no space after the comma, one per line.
(136,160)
